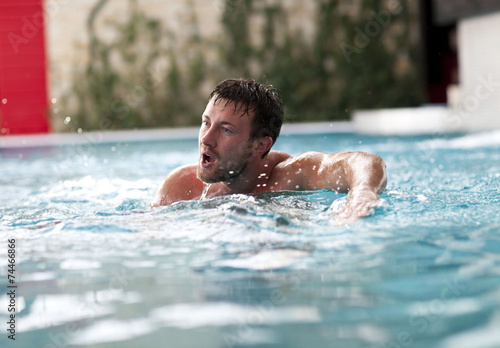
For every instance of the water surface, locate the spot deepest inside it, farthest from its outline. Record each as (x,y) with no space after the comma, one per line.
(97,268)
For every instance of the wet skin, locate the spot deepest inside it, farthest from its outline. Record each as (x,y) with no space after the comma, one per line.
(232,163)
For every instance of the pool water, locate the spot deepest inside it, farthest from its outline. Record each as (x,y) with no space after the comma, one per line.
(96,268)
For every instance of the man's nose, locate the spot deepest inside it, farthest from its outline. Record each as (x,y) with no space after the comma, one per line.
(207,136)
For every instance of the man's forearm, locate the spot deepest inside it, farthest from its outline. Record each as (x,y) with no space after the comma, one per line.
(365,172)
(366,177)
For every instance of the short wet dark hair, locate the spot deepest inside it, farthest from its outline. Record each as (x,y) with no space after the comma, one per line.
(251,96)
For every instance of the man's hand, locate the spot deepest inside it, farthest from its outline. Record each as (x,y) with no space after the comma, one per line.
(361,203)
(365,177)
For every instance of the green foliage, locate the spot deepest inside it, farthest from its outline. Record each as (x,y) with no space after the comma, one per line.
(316,79)
(325,77)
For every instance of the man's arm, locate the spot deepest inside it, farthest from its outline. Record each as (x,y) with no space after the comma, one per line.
(366,177)
(360,174)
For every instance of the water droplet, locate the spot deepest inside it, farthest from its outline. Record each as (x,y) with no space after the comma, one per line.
(205,191)
(421,198)
(68,120)
(54,100)
(80,130)
(4,101)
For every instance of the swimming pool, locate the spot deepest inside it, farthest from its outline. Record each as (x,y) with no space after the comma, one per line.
(96,268)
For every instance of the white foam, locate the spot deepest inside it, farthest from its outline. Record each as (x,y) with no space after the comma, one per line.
(266,260)
(192,315)
(79,264)
(39,276)
(55,310)
(112,330)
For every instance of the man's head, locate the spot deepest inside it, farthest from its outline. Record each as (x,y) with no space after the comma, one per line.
(240,124)
(259,101)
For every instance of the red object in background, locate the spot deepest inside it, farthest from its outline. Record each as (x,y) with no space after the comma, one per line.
(23,88)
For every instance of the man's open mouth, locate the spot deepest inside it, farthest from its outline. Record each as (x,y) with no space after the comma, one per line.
(207,160)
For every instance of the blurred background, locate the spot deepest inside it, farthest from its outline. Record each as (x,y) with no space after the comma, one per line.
(81,65)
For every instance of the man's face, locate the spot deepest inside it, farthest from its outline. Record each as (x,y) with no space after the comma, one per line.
(224,142)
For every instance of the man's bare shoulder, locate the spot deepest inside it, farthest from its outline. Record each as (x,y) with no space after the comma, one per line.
(275,158)
(180,184)
(187,171)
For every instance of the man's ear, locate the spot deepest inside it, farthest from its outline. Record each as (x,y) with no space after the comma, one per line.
(263,145)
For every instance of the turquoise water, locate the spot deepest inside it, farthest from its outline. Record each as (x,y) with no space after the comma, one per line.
(96,268)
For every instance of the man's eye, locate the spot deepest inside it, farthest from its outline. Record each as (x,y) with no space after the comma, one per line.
(227,130)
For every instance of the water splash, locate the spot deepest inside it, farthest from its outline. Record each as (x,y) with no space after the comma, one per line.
(205,191)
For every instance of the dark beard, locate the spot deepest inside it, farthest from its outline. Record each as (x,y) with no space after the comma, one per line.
(220,175)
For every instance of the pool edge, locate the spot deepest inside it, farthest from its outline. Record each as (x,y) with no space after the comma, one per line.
(159,134)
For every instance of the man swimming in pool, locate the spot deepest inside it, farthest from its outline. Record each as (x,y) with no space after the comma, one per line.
(239,126)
